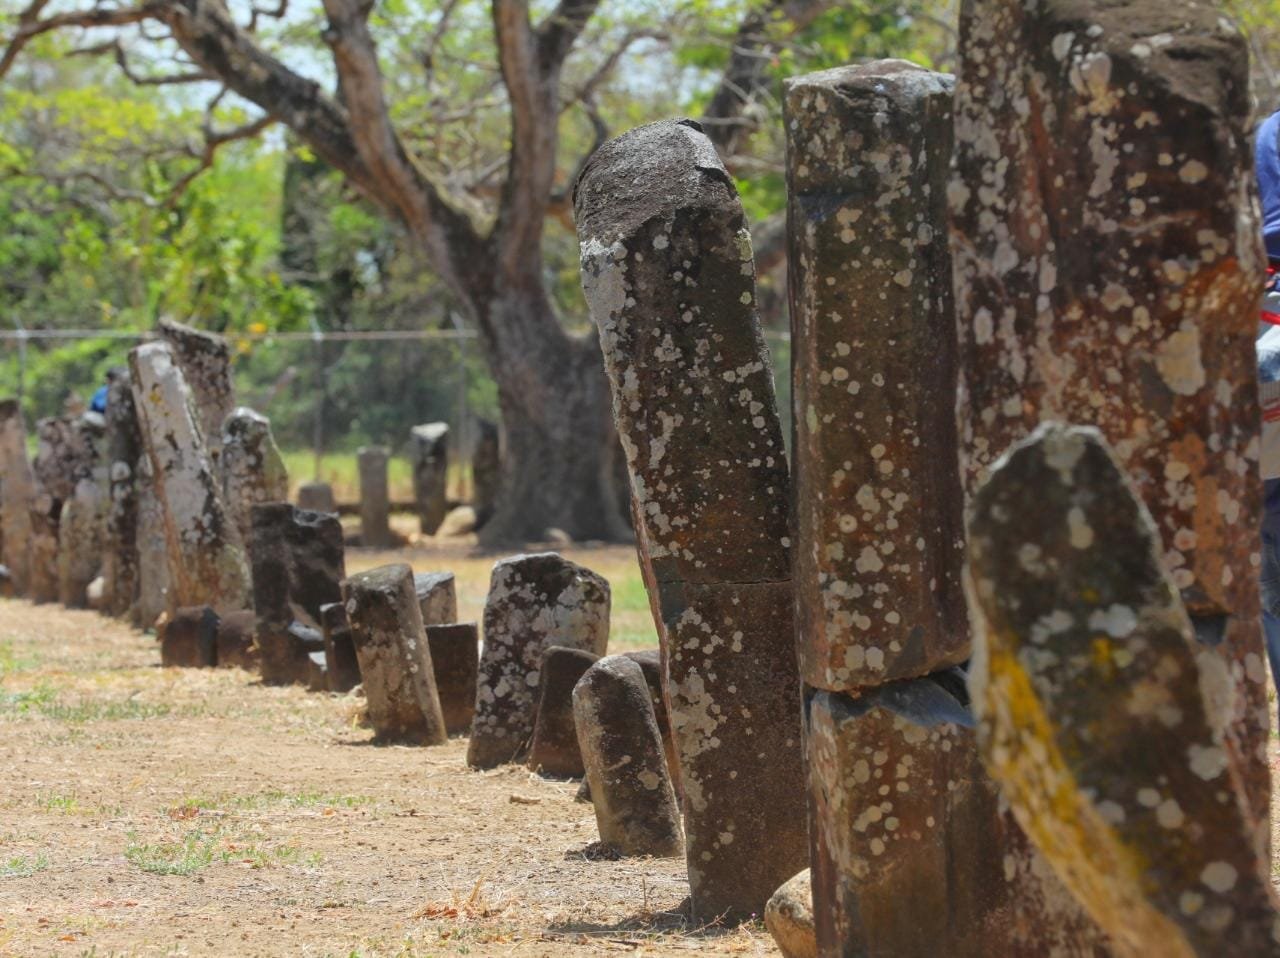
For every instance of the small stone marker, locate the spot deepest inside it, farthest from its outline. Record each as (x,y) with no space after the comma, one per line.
(486,471)
(429,453)
(437,597)
(535,601)
(455,659)
(206,561)
(205,359)
(554,749)
(298,566)
(17,495)
(375,501)
(1108,266)
(395,660)
(878,500)
(789,918)
(123,450)
(339,648)
(189,638)
(253,470)
(635,805)
(316,497)
(1091,692)
(668,271)
(236,647)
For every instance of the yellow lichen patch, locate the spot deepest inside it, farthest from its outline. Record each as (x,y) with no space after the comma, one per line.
(1021,751)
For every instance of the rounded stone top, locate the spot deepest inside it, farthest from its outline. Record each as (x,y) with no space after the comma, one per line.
(385,578)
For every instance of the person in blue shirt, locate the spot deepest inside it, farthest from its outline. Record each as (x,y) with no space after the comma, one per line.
(1267,159)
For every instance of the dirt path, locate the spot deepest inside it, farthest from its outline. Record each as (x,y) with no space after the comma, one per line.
(149,811)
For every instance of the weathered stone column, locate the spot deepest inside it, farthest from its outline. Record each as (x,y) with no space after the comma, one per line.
(635,805)
(455,659)
(395,661)
(535,601)
(437,597)
(298,566)
(205,360)
(669,276)
(206,562)
(429,453)
(375,499)
(486,470)
(17,495)
(1108,267)
(153,553)
(252,469)
(189,638)
(123,449)
(1091,689)
(878,501)
(316,497)
(553,748)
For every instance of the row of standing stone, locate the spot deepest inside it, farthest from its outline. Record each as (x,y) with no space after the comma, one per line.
(1066,233)
(239,577)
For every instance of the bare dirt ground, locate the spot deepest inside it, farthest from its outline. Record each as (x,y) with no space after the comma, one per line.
(150,811)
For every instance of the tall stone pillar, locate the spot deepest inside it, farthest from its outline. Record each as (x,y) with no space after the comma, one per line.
(668,271)
(153,552)
(900,803)
(253,470)
(122,452)
(17,495)
(206,562)
(205,360)
(375,499)
(1108,264)
(429,453)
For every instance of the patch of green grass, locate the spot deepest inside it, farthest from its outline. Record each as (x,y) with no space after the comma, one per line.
(66,804)
(194,853)
(11,661)
(275,797)
(22,867)
(44,701)
(629,595)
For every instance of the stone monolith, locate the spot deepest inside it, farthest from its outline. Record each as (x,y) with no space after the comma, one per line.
(486,470)
(1108,264)
(668,270)
(316,497)
(535,601)
(339,648)
(375,499)
(205,360)
(395,660)
(635,805)
(553,749)
(17,495)
(205,559)
(437,597)
(455,659)
(122,452)
(1094,719)
(253,470)
(429,455)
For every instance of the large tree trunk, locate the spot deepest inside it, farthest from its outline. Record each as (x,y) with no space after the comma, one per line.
(559,445)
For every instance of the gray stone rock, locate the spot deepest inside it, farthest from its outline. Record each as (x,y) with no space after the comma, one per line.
(206,562)
(455,659)
(253,470)
(429,454)
(395,660)
(375,499)
(554,748)
(189,638)
(122,452)
(635,805)
(205,360)
(535,601)
(669,276)
(339,648)
(316,497)
(437,597)
(789,918)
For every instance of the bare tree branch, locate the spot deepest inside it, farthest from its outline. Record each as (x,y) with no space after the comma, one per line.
(213,140)
(725,120)
(116,49)
(31,26)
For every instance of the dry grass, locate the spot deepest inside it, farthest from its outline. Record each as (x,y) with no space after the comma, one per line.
(149,811)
